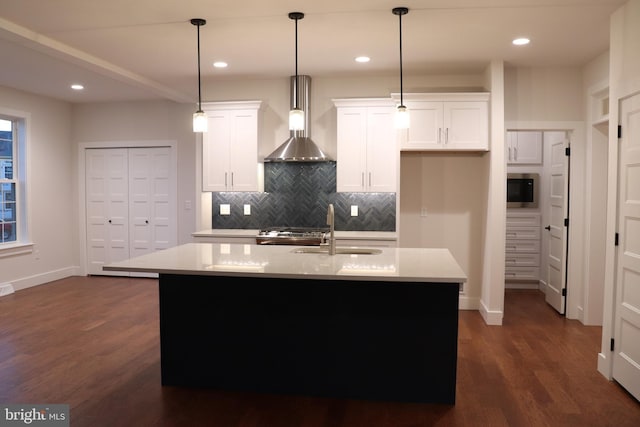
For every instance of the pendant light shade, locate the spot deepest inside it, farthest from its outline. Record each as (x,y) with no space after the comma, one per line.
(296,115)
(402,114)
(199,117)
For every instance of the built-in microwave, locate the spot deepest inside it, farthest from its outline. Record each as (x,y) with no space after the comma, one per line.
(522,190)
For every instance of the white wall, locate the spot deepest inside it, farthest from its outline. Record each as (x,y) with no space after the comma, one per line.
(52,215)
(443,203)
(543,94)
(596,90)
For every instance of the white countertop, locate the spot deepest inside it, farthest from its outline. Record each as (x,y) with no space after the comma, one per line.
(353,235)
(246,260)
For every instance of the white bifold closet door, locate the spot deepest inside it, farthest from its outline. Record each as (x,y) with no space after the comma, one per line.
(129,205)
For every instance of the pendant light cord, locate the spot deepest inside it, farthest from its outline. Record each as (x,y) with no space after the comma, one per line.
(199,85)
(400,11)
(401,88)
(295,101)
(198,22)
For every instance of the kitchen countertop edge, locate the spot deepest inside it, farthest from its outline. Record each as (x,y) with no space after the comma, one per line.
(213,259)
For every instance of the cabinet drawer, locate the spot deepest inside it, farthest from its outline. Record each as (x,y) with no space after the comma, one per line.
(523,220)
(523,233)
(520,246)
(522,260)
(521,273)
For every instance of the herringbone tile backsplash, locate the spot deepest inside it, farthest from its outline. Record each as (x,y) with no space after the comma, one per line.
(297,195)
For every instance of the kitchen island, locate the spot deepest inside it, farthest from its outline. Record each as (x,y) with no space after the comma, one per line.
(244,317)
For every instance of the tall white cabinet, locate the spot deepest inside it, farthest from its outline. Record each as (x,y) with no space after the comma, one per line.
(130,204)
(367,145)
(230,147)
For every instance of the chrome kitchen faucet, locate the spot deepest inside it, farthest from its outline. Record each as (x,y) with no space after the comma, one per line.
(331,224)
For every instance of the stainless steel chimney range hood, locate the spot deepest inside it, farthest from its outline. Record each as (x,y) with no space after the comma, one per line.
(299,147)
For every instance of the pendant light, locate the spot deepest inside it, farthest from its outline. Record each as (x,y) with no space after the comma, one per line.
(402,114)
(296,115)
(199,117)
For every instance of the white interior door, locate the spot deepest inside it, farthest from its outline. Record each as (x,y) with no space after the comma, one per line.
(556,271)
(106,207)
(129,204)
(626,358)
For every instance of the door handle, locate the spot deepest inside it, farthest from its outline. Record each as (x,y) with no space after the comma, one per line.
(548,227)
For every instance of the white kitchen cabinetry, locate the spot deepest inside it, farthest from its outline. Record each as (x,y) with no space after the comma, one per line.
(522,247)
(230,147)
(367,146)
(447,122)
(524,147)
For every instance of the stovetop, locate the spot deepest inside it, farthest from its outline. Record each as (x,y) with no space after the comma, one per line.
(292,236)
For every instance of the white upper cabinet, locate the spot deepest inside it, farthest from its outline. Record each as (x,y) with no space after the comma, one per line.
(524,147)
(446,121)
(230,147)
(367,145)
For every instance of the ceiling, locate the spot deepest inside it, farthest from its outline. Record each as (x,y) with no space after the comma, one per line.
(123,50)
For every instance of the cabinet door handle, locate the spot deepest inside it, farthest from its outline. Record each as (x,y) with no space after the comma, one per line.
(369,179)
(446,136)
(510,153)
(439,135)
(548,227)
(362,179)
(225,179)
(231,179)
(515,153)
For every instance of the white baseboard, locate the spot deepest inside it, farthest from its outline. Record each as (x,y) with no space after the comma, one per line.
(521,285)
(491,317)
(468,303)
(6,289)
(48,276)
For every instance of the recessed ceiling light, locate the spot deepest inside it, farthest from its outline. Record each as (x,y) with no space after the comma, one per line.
(363,59)
(77,87)
(520,41)
(220,64)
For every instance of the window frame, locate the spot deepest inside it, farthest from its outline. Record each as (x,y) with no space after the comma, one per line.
(20,131)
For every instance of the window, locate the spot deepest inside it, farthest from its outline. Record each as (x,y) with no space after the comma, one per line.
(8,182)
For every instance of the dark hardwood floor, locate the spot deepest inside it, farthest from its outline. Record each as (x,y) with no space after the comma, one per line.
(93,343)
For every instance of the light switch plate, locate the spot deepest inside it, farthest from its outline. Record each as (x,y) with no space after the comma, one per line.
(247,209)
(225,209)
(354,210)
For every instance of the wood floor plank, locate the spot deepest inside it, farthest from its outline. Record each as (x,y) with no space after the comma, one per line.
(93,343)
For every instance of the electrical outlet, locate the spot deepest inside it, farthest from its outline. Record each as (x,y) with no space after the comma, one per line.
(247,209)
(225,209)
(354,210)
(423,212)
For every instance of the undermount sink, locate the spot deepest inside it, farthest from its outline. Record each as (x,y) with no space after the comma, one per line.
(339,251)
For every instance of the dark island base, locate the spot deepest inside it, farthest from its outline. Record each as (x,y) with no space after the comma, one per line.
(390,341)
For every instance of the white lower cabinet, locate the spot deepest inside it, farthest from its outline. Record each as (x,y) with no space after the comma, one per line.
(367,146)
(447,122)
(230,147)
(522,248)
